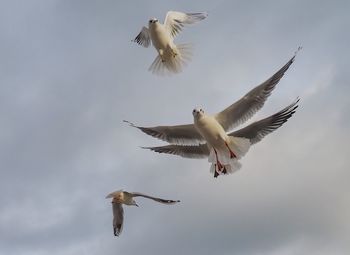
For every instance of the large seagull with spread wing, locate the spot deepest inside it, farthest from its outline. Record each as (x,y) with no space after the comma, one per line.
(208,136)
(171,57)
(127,198)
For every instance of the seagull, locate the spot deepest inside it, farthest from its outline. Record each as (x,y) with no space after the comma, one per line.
(171,57)
(122,197)
(208,136)
(254,132)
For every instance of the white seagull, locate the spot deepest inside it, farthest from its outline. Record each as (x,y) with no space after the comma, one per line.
(122,197)
(208,137)
(171,57)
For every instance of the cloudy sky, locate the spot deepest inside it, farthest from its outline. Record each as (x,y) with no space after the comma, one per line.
(69,75)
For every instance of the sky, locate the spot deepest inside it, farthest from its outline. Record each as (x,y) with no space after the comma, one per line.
(69,75)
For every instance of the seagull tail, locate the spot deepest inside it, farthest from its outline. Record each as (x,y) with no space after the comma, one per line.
(238,146)
(185,52)
(172,61)
(158,67)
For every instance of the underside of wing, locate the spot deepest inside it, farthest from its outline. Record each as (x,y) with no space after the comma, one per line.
(256,131)
(118,218)
(143,38)
(180,134)
(185,151)
(175,21)
(157,199)
(242,110)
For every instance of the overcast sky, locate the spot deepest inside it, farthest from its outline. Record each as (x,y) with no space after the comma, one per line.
(69,75)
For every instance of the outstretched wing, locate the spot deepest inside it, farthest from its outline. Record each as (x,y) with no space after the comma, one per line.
(255,132)
(180,134)
(143,38)
(118,218)
(175,21)
(160,200)
(259,129)
(242,110)
(185,151)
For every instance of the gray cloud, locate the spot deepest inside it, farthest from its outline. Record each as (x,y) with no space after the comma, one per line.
(70,75)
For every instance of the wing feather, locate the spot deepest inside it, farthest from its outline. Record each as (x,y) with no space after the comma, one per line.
(175,21)
(157,199)
(185,151)
(118,218)
(180,134)
(143,38)
(259,129)
(243,109)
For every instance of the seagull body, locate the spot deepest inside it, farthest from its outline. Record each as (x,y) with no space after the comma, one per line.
(208,136)
(127,198)
(171,57)
(209,128)
(161,39)
(219,142)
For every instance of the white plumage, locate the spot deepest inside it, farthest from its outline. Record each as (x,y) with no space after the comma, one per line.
(224,150)
(171,57)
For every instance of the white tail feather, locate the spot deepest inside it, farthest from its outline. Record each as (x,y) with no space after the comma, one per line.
(239,146)
(172,63)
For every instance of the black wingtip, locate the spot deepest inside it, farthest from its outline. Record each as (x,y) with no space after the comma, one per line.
(297,100)
(297,51)
(130,123)
(292,107)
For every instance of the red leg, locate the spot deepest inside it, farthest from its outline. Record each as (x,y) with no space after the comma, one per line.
(232,155)
(216,174)
(217,160)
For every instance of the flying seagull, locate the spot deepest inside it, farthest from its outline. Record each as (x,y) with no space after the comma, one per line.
(254,132)
(209,137)
(171,57)
(122,197)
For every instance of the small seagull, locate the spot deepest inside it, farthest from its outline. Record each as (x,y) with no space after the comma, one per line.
(208,135)
(122,197)
(171,57)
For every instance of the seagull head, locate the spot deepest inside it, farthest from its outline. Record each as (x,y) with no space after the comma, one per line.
(197,112)
(115,200)
(117,197)
(153,20)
